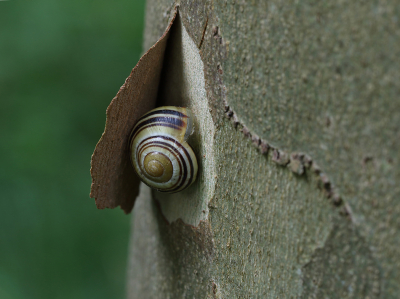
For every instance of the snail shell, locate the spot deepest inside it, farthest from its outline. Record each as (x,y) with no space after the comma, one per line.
(159,152)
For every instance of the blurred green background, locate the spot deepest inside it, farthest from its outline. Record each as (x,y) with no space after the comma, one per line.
(61,63)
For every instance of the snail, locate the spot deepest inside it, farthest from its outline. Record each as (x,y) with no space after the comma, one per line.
(159,152)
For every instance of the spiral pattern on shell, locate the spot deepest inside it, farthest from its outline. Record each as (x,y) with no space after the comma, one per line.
(160,154)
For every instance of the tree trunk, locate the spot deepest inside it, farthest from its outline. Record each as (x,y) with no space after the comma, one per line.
(297,135)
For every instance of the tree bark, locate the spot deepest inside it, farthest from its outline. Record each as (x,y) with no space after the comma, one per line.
(297,134)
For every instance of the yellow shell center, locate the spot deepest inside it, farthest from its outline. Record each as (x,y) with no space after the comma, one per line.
(158,167)
(154,168)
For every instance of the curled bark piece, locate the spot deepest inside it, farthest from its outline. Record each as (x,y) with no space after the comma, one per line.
(114,182)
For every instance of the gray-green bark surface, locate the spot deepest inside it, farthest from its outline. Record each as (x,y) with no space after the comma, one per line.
(314,77)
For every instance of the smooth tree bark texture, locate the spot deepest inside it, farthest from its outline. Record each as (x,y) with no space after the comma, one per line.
(297,135)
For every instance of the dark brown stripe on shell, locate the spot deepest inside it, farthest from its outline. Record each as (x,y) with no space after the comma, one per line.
(182,177)
(188,158)
(132,137)
(185,172)
(171,122)
(166,111)
(181,182)
(150,144)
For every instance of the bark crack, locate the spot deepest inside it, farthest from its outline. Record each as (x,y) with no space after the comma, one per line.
(204,32)
(297,162)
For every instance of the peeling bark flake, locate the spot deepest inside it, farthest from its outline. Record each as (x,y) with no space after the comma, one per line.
(114,182)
